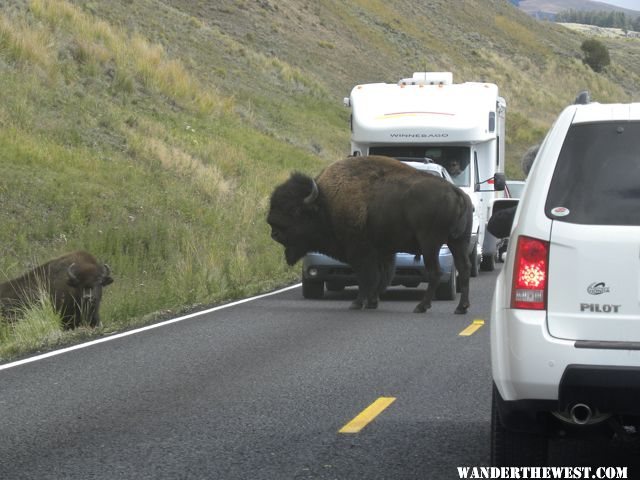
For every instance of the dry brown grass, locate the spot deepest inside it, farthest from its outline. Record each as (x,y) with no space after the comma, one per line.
(24,43)
(100,42)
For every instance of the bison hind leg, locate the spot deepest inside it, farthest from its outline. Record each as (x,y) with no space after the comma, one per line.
(460,251)
(430,254)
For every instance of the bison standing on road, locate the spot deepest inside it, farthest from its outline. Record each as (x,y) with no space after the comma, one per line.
(362,210)
(73,281)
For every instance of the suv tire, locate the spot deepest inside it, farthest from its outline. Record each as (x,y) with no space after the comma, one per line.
(473,258)
(514,449)
(447,291)
(312,289)
(488,263)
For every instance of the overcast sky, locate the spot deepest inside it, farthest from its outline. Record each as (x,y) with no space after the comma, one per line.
(630,4)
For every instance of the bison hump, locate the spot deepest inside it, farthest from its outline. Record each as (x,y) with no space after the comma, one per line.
(345,197)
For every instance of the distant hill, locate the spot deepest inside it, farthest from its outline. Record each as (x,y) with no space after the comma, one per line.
(549,8)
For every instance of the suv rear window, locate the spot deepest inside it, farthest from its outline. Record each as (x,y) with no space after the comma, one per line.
(597,177)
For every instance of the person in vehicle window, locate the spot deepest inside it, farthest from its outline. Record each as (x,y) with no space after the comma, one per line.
(454,168)
(458,170)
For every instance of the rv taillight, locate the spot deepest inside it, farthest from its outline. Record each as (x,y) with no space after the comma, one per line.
(530,274)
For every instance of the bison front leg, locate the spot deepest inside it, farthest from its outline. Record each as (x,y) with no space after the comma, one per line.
(386,270)
(368,275)
(367,294)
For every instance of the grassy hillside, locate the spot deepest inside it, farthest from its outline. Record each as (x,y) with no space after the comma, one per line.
(153,132)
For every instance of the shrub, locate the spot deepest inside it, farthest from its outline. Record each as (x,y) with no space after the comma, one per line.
(596,54)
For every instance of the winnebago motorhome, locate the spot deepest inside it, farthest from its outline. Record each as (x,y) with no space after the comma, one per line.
(460,126)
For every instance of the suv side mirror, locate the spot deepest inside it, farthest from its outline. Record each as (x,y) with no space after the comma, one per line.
(501,219)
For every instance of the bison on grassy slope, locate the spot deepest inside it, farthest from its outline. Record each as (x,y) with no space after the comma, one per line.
(74,283)
(362,210)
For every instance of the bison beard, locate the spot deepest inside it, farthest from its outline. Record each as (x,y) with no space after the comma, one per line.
(363,210)
(74,283)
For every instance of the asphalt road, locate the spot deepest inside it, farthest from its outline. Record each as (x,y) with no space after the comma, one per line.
(261,390)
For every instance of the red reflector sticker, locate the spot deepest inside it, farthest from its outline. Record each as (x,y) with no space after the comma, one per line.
(560,212)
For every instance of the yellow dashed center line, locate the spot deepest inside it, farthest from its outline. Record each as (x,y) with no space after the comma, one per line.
(471,329)
(367,415)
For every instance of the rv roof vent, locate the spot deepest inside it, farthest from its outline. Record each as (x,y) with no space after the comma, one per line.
(428,78)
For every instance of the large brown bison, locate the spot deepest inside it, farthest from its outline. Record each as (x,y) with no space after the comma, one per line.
(362,210)
(73,281)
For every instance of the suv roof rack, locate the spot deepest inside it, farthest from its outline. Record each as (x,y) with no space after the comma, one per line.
(583,98)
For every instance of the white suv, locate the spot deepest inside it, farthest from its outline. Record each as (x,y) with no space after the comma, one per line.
(565,318)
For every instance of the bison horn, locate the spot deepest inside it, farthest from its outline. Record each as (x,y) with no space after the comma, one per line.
(313,195)
(72,275)
(106,275)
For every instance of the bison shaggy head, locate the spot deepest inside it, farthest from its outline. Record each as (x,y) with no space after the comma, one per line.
(85,281)
(295,217)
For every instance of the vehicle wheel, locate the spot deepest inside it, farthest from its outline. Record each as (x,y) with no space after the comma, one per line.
(335,287)
(513,449)
(488,263)
(447,291)
(474,261)
(312,289)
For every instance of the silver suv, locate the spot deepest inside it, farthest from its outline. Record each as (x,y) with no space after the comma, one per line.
(565,318)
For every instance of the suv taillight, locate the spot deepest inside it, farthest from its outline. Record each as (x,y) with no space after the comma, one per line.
(530,269)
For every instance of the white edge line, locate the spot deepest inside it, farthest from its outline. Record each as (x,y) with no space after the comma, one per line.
(54,353)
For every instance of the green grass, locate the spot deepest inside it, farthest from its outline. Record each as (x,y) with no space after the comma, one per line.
(153,135)
(39,327)
(31,325)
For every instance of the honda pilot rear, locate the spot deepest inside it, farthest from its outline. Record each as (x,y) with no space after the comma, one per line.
(565,321)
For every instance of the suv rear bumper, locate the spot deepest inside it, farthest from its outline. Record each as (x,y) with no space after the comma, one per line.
(614,389)
(524,415)
(535,372)
(604,390)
